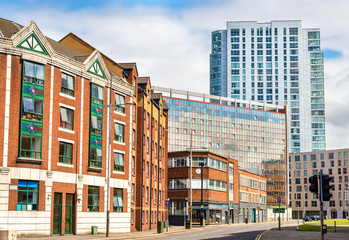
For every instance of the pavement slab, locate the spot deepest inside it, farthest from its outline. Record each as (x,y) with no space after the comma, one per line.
(291,233)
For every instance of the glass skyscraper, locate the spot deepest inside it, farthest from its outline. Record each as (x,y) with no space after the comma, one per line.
(256,138)
(276,62)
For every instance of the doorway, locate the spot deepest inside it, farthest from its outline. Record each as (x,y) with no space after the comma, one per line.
(69,213)
(253,215)
(57,213)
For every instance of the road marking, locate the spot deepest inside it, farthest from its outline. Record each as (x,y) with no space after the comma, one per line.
(259,237)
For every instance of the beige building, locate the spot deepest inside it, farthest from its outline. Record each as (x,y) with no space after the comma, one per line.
(304,165)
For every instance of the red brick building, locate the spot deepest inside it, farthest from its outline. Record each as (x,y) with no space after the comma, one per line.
(54,137)
(151,168)
(252,196)
(220,187)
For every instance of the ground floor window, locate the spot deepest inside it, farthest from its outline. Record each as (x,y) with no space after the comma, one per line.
(215,216)
(118,200)
(27,196)
(93,199)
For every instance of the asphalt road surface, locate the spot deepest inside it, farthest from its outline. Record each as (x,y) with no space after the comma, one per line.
(225,232)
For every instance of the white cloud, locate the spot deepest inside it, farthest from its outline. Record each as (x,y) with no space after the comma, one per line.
(173,46)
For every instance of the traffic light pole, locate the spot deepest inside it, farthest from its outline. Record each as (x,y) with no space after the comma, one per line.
(321,206)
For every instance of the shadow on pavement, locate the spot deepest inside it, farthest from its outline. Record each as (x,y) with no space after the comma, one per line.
(250,235)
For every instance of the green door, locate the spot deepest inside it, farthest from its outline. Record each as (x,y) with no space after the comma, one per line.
(254,215)
(57,213)
(69,213)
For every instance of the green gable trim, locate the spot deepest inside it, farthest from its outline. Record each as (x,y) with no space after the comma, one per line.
(32,43)
(96,69)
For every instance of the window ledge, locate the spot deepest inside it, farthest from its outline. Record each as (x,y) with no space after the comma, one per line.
(120,143)
(118,172)
(29,160)
(66,95)
(65,165)
(119,113)
(95,169)
(66,130)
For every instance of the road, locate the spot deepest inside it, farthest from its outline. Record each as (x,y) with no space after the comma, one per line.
(225,232)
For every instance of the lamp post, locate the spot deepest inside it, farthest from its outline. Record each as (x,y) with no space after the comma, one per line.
(109,161)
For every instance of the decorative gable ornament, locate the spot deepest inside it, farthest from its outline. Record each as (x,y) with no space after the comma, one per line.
(96,69)
(32,43)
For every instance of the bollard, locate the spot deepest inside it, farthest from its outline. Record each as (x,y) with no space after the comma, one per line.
(334,226)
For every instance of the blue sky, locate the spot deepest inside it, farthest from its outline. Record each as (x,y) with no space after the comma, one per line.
(170,39)
(81,4)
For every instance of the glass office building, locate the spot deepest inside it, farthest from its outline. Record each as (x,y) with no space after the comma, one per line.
(256,138)
(275,62)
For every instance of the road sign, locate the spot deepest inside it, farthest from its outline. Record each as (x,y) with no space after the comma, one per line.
(167,203)
(277,210)
(279,199)
(190,208)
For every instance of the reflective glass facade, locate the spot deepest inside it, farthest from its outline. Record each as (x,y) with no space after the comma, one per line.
(257,139)
(275,62)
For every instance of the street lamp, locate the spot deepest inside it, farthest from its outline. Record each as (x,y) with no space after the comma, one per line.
(109,161)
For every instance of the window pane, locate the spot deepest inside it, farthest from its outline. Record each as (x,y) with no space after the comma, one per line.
(25,142)
(100,93)
(38,106)
(29,69)
(61,148)
(69,150)
(94,121)
(36,143)
(64,115)
(28,104)
(40,71)
(70,82)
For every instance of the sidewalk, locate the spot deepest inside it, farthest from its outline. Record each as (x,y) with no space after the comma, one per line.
(291,233)
(116,236)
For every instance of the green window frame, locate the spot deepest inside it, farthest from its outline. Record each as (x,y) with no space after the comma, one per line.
(32,100)
(119,132)
(33,73)
(118,162)
(27,195)
(97,94)
(67,118)
(93,199)
(118,203)
(65,152)
(96,126)
(32,108)
(67,84)
(31,146)
(96,157)
(119,99)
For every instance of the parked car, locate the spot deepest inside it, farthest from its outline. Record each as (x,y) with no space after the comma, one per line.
(307,219)
(315,218)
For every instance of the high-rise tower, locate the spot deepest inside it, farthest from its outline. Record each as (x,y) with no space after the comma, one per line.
(276,62)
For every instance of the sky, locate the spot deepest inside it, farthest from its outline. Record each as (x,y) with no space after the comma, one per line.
(170,39)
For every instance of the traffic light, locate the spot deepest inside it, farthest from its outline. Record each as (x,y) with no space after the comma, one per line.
(313,184)
(326,187)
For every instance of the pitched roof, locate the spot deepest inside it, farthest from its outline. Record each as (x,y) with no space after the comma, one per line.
(143,80)
(8,28)
(71,53)
(127,65)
